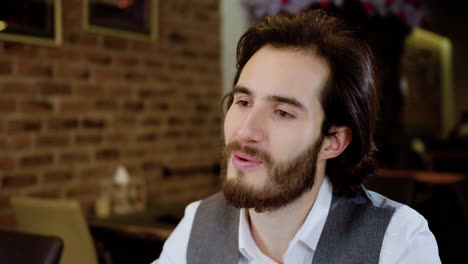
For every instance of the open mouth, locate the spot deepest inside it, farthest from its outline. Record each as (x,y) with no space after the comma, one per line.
(244,161)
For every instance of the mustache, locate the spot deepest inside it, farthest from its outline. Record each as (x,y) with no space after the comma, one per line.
(251,151)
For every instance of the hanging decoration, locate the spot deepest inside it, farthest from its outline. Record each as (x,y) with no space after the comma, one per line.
(409,12)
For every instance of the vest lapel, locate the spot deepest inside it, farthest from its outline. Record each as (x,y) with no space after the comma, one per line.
(353,232)
(214,236)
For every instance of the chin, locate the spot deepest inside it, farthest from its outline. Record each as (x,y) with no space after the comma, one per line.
(252,179)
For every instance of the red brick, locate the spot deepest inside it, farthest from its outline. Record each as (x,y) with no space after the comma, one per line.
(99,172)
(98,58)
(88,139)
(75,106)
(21,50)
(52,141)
(125,60)
(62,123)
(82,39)
(6,67)
(72,72)
(133,106)
(15,142)
(107,154)
(178,67)
(19,180)
(74,157)
(7,219)
(158,107)
(36,160)
(142,46)
(153,63)
(63,54)
(136,76)
(175,121)
(19,88)
(162,78)
(58,176)
(116,138)
(14,126)
(151,122)
(7,105)
(93,123)
(45,192)
(185,81)
(4,201)
(36,106)
(125,122)
(7,163)
(108,74)
(137,153)
(174,134)
(151,166)
(91,90)
(190,54)
(109,105)
(115,43)
(121,91)
(34,69)
(53,88)
(81,190)
(147,137)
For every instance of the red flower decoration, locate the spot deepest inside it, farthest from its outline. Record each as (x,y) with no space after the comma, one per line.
(324,4)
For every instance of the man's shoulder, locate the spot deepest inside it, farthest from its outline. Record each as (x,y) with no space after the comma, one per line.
(403,214)
(216,206)
(380,201)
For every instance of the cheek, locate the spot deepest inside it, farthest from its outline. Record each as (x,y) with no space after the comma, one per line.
(289,142)
(228,127)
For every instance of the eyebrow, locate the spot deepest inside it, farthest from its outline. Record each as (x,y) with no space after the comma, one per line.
(275,98)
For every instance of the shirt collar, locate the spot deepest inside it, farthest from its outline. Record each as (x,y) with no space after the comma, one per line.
(309,233)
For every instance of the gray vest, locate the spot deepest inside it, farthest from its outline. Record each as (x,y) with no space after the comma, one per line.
(353,232)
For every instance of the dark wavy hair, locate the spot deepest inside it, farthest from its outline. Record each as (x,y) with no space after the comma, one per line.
(349,97)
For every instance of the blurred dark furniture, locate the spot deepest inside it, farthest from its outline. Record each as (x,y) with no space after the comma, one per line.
(137,237)
(25,248)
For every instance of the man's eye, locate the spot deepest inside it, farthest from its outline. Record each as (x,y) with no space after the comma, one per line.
(284,114)
(242,103)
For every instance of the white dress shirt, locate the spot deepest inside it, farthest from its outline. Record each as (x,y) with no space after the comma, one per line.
(407,239)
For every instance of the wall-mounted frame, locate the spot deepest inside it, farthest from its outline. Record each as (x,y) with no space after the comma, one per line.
(32,21)
(135,19)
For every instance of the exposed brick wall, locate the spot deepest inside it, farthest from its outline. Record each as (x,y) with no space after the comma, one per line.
(71,114)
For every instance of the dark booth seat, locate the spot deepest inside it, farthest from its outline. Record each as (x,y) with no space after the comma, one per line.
(25,248)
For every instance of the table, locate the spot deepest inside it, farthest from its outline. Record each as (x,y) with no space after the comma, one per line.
(136,237)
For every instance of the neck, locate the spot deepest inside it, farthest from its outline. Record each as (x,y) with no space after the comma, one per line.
(273,231)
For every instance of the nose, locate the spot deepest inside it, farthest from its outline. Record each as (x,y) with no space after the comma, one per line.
(252,128)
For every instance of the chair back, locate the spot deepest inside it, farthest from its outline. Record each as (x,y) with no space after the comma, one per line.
(25,248)
(62,218)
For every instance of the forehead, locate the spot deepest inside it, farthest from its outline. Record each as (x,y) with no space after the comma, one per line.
(285,72)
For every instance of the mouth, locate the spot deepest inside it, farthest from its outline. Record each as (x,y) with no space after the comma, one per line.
(245,161)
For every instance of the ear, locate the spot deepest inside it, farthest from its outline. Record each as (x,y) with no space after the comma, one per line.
(334,144)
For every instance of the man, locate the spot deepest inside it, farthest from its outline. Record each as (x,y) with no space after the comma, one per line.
(298,136)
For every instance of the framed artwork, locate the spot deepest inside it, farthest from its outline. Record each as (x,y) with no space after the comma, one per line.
(428,83)
(32,21)
(136,19)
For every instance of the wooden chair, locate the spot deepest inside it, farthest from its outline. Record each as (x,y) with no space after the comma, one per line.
(62,218)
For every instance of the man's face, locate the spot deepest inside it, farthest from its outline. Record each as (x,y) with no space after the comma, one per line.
(273,129)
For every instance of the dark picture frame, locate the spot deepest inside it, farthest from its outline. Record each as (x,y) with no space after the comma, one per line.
(32,21)
(134,19)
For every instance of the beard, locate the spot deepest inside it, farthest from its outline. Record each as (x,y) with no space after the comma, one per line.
(285,182)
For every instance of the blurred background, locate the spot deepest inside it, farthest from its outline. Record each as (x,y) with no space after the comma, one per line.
(116,105)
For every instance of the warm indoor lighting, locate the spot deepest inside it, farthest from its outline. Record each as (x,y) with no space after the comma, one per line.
(3,25)
(124,3)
